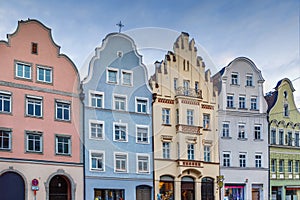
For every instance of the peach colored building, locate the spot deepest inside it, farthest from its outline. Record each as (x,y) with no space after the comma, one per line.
(40,120)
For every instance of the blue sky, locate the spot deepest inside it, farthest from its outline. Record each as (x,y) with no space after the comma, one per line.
(266,31)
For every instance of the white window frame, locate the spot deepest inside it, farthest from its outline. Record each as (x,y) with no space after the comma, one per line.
(258,132)
(121,97)
(253,103)
(23,70)
(281,139)
(166,150)
(126,131)
(226,163)
(90,129)
(226,130)
(297,166)
(91,162)
(69,145)
(242,102)
(93,92)
(35,100)
(115,162)
(249,79)
(137,134)
(258,161)
(9,132)
(56,107)
(5,96)
(138,162)
(40,140)
(166,117)
(290,166)
(190,151)
(273,167)
(39,67)
(273,136)
(242,131)
(230,101)
(107,75)
(206,121)
(297,139)
(242,161)
(190,117)
(131,77)
(234,80)
(207,153)
(281,166)
(137,99)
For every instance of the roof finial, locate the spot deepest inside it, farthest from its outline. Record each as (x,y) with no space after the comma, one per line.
(120,25)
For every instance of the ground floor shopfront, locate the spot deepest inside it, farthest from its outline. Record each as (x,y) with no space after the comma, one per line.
(285,190)
(32,180)
(106,188)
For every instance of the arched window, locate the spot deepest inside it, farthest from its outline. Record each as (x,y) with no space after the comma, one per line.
(187,188)
(207,188)
(166,188)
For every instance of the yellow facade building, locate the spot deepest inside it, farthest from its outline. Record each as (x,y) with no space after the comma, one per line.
(186,155)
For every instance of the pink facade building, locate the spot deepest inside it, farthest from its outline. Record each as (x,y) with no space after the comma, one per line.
(40,119)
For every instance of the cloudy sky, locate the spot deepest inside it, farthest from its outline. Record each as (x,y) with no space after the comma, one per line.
(266,31)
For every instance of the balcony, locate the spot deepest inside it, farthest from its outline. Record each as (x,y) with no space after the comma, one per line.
(188,129)
(181,91)
(190,163)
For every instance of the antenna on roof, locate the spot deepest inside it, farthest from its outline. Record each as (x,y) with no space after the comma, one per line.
(120,25)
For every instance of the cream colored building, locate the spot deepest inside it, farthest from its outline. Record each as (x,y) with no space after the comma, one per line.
(186,158)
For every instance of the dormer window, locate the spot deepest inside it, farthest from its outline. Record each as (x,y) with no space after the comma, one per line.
(286,110)
(285,94)
(34,48)
(249,80)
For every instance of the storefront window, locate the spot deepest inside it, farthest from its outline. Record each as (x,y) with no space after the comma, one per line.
(166,188)
(109,194)
(187,188)
(234,192)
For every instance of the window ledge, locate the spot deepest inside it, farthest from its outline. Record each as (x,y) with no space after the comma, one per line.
(243,108)
(258,140)
(226,138)
(166,124)
(243,139)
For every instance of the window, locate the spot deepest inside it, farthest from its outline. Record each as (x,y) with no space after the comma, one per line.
(34,106)
(280,137)
(97,160)
(44,74)
(197,87)
(34,142)
(297,165)
(166,150)
(241,133)
(34,48)
(253,103)
(112,76)
(175,84)
(5,102)
(120,103)
(249,80)
(96,99)
(257,132)
(242,102)
(143,163)
(229,101)
(258,163)
(226,159)
(186,87)
(273,136)
(290,166)
(63,145)
(297,142)
(273,165)
(120,132)
(127,78)
(63,111)
(207,153)
(225,129)
(166,116)
(120,162)
(242,158)
(142,105)
(23,71)
(5,139)
(190,152)
(286,110)
(142,134)
(177,116)
(96,129)
(206,121)
(234,78)
(289,139)
(190,117)
(281,166)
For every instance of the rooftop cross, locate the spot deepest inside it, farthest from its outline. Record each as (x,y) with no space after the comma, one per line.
(120,25)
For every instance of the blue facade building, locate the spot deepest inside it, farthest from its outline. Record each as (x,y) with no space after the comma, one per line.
(118,123)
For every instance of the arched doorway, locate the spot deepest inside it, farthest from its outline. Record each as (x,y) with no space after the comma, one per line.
(187,188)
(12,186)
(143,192)
(207,189)
(59,188)
(166,188)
